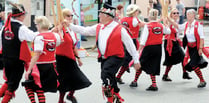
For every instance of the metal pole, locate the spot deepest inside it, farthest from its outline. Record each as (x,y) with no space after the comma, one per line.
(44,7)
(99,7)
(129,1)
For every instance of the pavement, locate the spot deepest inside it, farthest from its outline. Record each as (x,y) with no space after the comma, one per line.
(177,91)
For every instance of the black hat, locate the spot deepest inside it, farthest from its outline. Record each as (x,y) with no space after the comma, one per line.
(108,9)
(18,10)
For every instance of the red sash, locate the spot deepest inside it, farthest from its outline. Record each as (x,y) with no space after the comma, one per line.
(206,51)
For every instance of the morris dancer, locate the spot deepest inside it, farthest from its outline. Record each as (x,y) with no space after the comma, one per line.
(151,42)
(109,36)
(173,51)
(70,76)
(41,75)
(13,35)
(133,24)
(194,40)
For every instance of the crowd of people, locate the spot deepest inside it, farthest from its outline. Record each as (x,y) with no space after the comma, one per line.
(55,63)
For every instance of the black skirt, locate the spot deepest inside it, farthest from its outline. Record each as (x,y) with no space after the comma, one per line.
(70,75)
(48,78)
(151,58)
(195,60)
(177,54)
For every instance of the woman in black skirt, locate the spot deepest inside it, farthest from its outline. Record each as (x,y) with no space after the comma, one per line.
(151,44)
(194,40)
(173,51)
(41,75)
(71,78)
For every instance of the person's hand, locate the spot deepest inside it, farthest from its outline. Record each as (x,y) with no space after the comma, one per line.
(137,66)
(80,63)
(55,29)
(200,51)
(27,74)
(65,23)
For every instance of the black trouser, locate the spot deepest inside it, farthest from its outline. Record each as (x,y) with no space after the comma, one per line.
(110,67)
(14,69)
(1,62)
(128,57)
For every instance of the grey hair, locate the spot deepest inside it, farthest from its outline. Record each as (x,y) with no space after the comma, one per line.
(191,11)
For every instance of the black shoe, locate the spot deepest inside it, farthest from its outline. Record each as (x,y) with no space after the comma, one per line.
(119,80)
(84,39)
(166,78)
(151,88)
(186,76)
(133,84)
(72,99)
(201,85)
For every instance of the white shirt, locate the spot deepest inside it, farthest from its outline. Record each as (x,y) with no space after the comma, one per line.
(136,22)
(190,31)
(24,33)
(104,35)
(145,33)
(39,43)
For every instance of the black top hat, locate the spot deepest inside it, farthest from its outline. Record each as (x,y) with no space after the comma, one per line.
(18,10)
(108,9)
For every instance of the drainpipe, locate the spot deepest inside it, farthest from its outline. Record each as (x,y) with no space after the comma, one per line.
(99,7)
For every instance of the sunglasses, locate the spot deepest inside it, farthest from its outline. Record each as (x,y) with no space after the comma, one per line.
(69,15)
(175,13)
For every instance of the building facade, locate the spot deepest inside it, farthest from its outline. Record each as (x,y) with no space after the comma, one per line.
(43,7)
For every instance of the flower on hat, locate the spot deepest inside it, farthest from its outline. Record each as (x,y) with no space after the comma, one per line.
(108,9)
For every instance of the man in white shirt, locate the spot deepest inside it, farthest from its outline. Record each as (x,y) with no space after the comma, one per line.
(11,38)
(110,37)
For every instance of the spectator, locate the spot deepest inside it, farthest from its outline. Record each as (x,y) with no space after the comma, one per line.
(83,38)
(207,4)
(150,6)
(169,6)
(181,9)
(157,6)
(207,9)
